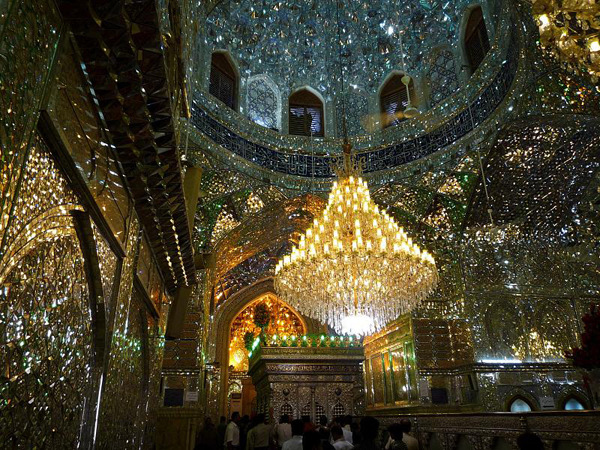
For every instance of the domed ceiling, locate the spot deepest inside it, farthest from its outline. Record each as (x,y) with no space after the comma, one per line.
(295,43)
(252,205)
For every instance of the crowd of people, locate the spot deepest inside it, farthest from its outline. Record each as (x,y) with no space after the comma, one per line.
(342,433)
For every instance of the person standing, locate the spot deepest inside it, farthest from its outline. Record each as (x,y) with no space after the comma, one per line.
(258,437)
(245,424)
(339,442)
(346,424)
(221,431)
(232,433)
(308,425)
(323,424)
(282,431)
(411,442)
(396,442)
(207,438)
(369,429)
(295,443)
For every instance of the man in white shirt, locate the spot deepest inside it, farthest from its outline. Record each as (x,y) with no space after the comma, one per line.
(346,428)
(258,437)
(339,442)
(232,433)
(295,443)
(282,431)
(410,441)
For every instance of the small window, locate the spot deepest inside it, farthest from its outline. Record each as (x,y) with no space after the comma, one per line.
(319,410)
(338,410)
(572,404)
(306,114)
(306,410)
(264,102)
(477,43)
(286,408)
(439,396)
(393,100)
(173,397)
(223,80)
(519,405)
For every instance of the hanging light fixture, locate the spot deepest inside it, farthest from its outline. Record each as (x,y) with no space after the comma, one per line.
(355,268)
(409,111)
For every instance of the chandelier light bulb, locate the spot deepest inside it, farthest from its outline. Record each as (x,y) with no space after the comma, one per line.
(358,325)
(410,111)
(360,268)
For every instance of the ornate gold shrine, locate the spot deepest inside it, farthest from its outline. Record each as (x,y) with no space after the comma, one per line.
(309,381)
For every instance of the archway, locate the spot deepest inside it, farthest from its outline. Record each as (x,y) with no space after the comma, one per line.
(283,321)
(306,113)
(243,329)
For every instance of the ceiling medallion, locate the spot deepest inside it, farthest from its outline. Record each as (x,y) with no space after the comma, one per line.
(355,268)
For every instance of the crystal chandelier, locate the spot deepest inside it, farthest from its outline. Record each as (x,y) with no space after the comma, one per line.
(571,32)
(355,268)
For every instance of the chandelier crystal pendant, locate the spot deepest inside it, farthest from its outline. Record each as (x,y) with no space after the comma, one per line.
(355,268)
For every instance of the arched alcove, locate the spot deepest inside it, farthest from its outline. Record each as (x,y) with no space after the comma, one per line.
(306,113)
(263,102)
(224,82)
(442,79)
(519,404)
(475,39)
(572,399)
(394,98)
(223,317)
(284,320)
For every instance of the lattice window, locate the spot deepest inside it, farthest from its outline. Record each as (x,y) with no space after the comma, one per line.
(319,410)
(223,80)
(442,78)
(306,114)
(338,410)
(286,408)
(306,410)
(264,102)
(477,43)
(393,100)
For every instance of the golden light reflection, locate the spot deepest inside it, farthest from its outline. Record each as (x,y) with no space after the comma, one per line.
(284,321)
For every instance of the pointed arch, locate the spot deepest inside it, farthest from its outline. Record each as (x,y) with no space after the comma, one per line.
(442,78)
(224,82)
(393,98)
(520,403)
(222,320)
(518,399)
(475,39)
(263,101)
(306,113)
(572,393)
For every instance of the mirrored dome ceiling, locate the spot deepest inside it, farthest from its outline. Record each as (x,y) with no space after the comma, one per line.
(295,42)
